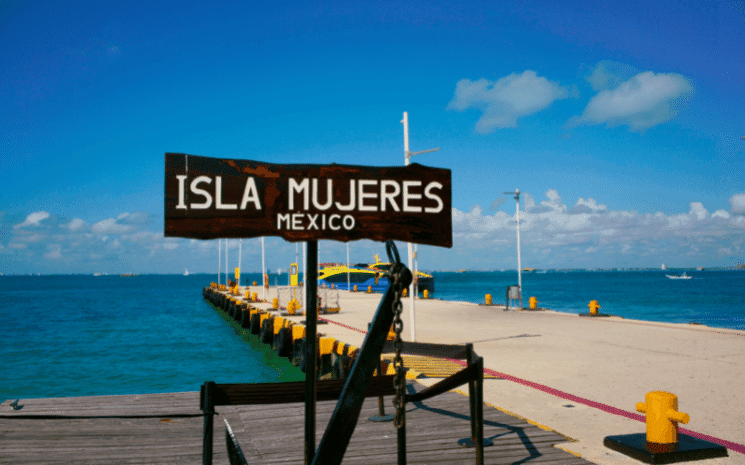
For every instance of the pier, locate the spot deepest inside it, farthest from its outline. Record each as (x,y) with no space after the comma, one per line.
(580,377)
(555,385)
(167,428)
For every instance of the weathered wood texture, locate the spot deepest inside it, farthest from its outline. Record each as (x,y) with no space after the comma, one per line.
(158,428)
(433,427)
(132,429)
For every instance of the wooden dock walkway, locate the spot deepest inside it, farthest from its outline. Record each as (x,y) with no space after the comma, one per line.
(167,428)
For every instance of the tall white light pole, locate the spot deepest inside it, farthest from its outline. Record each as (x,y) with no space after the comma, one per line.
(240,257)
(219,259)
(517,220)
(226,261)
(348,288)
(412,286)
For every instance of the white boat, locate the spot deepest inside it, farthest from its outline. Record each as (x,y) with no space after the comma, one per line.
(680,276)
(186,272)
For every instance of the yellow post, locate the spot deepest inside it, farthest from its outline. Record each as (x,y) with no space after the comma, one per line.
(533,303)
(663,416)
(253,283)
(291,307)
(275,303)
(488,299)
(255,297)
(594,306)
(248,294)
(293,274)
(406,292)
(355,288)
(425,294)
(369,289)
(298,331)
(278,322)
(325,345)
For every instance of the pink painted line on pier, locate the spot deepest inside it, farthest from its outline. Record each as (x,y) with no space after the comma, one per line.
(605,408)
(590,403)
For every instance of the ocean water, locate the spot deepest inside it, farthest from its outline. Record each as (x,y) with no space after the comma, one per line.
(101,335)
(712,298)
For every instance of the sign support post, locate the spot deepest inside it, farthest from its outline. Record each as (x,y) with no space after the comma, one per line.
(311,321)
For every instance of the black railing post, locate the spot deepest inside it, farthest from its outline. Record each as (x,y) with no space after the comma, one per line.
(208,409)
(471,392)
(381,416)
(311,349)
(480,412)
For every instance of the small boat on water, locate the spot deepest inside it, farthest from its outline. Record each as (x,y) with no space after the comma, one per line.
(186,272)
(680,276)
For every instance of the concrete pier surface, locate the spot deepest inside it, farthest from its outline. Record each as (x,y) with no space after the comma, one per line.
(582,377)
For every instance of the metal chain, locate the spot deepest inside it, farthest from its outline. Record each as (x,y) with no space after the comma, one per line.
(399,381)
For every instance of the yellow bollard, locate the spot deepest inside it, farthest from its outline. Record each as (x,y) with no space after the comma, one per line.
(325,345)
(275,303)
(369,289)
(298,332)
(248,294)
(255,297)
(291,307)
(425,294)
(594,306)
(391,334)
(533,303)
(662,420)
(355,288)
(406,292)
(488,299)
(253,283)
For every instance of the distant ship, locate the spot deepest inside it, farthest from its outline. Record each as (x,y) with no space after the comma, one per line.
(186,272)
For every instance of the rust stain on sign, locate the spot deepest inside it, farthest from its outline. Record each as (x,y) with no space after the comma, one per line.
(209,198)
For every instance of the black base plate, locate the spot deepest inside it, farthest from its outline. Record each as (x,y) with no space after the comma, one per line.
(689,448)
(594,316)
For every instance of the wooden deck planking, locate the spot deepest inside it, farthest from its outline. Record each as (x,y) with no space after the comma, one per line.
(107,429)
(131,429)
(275,434)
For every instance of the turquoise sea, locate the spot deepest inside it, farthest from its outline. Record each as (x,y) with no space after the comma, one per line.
(97,335)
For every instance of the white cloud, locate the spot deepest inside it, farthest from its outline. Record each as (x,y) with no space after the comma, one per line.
(589,226)
(737,204)
(644,101)
(111,226)
(609,74)
(76,225)
(55,252)
(507,99)
(34,220)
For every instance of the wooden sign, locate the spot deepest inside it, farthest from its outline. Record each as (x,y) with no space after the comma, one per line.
(207,198)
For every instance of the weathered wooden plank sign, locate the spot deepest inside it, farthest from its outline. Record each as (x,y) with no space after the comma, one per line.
(208,198)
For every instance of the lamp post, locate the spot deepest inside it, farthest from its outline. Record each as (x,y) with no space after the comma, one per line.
(407,156)
(517,220)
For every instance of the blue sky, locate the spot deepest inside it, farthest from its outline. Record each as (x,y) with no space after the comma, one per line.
(621,122)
